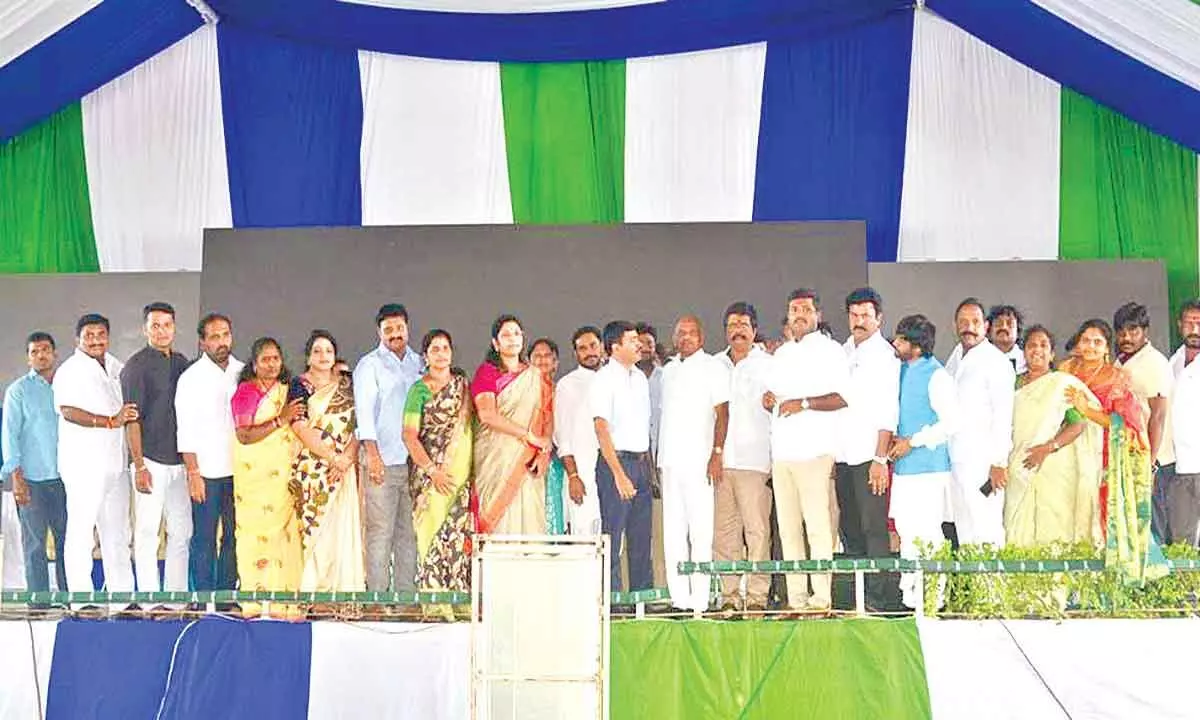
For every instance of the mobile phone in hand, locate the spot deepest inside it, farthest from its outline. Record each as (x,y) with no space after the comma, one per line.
(986,488)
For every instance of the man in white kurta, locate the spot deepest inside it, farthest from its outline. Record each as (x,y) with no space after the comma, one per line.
(575,434)
(984,381)
(91,459)
(695,415)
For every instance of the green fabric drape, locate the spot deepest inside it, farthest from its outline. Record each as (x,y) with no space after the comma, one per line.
(1127,193)
(564,127)
(45,215)
(841,669)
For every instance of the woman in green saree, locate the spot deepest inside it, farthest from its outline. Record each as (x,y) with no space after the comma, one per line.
(437,433)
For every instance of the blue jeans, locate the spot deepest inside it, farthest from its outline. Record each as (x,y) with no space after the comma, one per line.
(628,519)
(211,570)
(47,510)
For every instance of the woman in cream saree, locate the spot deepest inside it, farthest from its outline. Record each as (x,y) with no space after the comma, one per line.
(324,483)
(1054,468)
(514,403)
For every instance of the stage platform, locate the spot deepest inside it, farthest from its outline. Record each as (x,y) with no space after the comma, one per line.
(660,668)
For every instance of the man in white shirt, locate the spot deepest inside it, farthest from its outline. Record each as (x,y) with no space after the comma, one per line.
(867,424)
(205,432)
(984,381)
(1152,378)
(742,514)
(575,433)
(620,400)
(928,416)
(804,391)
(1005,324)
(91,458)
(695,416)
(1183,492)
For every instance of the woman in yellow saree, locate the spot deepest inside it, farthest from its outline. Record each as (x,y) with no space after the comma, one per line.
(1054,469)
(324,483)
(266,532)
(437,433)
(514,404)
(1125,491)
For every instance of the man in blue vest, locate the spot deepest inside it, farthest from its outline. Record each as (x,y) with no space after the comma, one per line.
(920,450)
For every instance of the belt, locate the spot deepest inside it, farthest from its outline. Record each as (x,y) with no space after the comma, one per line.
(634,455)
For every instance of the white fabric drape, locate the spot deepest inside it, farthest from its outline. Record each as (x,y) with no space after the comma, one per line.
(691,135)
(1164,34)
(981,165)
(501,6)
(155,149)
(25,667)
(432,142)
(25,23)
(390,670)
(1099,669)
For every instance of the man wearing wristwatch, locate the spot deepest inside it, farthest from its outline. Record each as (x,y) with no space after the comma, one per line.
(695,417)
(91,458)
(867,425)
(805,384)
(149,380)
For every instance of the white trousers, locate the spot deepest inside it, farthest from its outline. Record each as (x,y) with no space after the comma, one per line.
(917,507)
(583,519)
(97,501)
(977,519)
(167,500)
(13,576)
(687,500)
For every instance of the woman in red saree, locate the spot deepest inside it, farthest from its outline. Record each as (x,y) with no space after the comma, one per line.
(1127,477)
(514,405)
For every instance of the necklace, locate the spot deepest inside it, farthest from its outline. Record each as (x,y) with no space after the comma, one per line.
(1088,380)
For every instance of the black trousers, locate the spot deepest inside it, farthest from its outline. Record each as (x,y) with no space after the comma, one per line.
(862,523)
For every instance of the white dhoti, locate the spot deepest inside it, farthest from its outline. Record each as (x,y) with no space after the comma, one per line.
(977,518)
(97,501)
(687,500)
(917,507)
(583,519)
(13,577)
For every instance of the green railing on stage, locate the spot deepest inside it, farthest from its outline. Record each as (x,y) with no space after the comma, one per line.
(899,565)
(228,596)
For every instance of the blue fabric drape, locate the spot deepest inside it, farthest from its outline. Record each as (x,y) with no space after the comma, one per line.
(831,140)
(109,670)
(293,127)
(218,668)
(241,671)
(101,44)
(636,31)
(1050,45)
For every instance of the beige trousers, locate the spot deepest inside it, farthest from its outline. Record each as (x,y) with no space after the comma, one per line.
(803,504)
(742,530)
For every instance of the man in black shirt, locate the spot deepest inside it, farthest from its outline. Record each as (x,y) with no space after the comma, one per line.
(149,380)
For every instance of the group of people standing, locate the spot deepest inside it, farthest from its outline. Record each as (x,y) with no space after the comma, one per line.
(379,479)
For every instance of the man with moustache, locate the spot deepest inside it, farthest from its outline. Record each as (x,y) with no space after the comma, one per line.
(620,402)
(29,448)
(695,417)
(984,381)
(381,382)
(205,438)
(149,381)
(742,513)
(1183,492)
(928,416)
(91,458)
(575,433)
(867,425)
(805,385)
(1005,324)
(1152,378)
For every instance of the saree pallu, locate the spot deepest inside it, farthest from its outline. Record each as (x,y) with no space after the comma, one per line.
(511,500)
(443,522)
(266,532)
(556,480)
(1058,502)
(1129,548)
(328,508)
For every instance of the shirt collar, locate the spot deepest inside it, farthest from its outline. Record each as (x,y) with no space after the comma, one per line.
(384,351)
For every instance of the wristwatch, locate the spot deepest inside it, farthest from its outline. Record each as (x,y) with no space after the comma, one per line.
(717,449)
(804,404)
(882,460)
